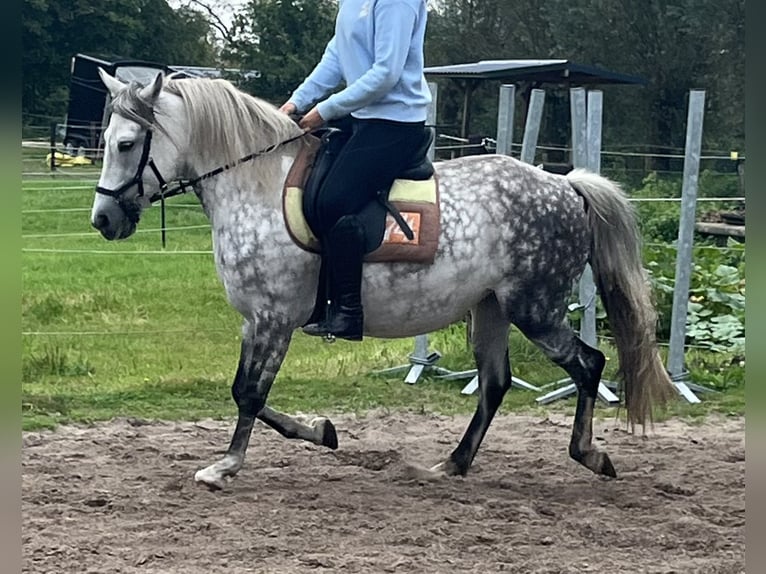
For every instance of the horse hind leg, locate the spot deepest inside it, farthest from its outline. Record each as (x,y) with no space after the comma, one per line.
(490,345)
(584,365)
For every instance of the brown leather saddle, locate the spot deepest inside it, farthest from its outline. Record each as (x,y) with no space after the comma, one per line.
(401,223)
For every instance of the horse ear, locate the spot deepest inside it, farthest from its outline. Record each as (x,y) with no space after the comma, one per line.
(153,90)
(112,84)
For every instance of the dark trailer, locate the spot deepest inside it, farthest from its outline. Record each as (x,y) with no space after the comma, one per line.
(87,113)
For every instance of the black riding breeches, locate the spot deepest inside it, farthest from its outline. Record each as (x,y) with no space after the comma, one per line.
(375,154)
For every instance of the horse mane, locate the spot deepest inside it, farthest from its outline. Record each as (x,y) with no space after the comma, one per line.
(224,121)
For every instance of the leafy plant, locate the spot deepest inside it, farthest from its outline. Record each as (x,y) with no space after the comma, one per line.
(716,308)
(719,184)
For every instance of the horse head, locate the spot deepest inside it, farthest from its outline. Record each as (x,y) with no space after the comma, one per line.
(139,154)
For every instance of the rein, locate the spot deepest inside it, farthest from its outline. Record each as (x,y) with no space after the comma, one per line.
(182,186)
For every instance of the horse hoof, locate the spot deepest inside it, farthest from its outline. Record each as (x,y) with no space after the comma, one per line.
(329,435)
(607,468)
(419,473)
(209,478)
(448,468)
(598,462)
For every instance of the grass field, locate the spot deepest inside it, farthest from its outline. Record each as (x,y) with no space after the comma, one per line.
(124,329)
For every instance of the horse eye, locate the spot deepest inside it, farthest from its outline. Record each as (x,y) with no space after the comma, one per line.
(125,146)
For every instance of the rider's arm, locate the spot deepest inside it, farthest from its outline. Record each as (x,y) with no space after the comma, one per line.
(394,25)
(325,77)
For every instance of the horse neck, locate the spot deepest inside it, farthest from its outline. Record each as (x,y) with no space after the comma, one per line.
(255,183)
(253,187)
(247,222)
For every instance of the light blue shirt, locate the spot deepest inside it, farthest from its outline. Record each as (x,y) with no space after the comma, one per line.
(377,50)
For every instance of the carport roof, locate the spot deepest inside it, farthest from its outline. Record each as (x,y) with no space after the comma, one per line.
(559,72)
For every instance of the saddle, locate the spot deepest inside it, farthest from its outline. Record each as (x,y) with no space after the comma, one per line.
(401,223)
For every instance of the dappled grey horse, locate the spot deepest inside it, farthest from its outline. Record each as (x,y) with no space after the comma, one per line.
(513,240)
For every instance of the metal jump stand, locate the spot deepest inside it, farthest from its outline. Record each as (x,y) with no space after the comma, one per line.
(528,146)
(421,359)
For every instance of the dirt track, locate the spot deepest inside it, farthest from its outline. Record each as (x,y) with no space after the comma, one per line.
(120,497)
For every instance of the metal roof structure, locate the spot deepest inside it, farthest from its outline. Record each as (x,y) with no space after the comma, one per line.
(558,72)
(530,73)
(207,72)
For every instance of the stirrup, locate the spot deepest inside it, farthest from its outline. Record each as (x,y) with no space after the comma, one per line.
(334,328)
(327,337)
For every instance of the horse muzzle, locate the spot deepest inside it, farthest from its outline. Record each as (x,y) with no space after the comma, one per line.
(113,221)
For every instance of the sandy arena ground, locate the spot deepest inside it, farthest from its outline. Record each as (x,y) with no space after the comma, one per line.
(120,497)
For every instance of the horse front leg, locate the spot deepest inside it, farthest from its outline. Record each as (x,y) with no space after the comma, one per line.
(320,431)
(264,346)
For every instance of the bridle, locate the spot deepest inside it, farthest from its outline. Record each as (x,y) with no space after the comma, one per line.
(182,186)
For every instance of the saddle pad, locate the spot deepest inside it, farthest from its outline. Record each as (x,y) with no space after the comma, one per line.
(416,201)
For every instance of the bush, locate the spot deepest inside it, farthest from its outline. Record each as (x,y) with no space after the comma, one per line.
(717,184)
(658,220)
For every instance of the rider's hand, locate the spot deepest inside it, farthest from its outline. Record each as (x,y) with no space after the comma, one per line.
(288,108)
(311,120)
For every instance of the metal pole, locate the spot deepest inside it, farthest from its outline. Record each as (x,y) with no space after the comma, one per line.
(466,120)
(685,241)
(594,128)
(588,333)
(593,162)
(421,341)
(532,127)
(505,118)
(577,108)
(586,153)
(431,117)
(504,140)
(53,146)
(580,159)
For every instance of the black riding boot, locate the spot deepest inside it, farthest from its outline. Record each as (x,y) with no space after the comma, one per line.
(345,253)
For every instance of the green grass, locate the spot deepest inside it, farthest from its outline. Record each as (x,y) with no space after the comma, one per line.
(157,338)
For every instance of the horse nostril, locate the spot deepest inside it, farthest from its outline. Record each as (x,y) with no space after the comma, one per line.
(101,222)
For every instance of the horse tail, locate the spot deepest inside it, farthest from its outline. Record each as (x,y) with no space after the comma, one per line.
(623,285)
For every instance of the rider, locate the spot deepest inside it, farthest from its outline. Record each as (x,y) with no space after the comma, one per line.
(377,51)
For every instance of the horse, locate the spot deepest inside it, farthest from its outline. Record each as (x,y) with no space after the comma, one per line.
(513,241)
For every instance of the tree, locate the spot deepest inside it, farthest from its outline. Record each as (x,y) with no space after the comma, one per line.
(283,40)
(676,45)
(462,31)
(218,14)
(53,32)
